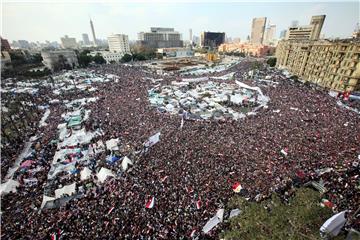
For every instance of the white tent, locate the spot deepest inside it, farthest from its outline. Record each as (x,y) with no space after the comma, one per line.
(112,144)
(333,225)
(9,186)
(67,189)
(152,140)
(104,173)
(85,174)
(46,199)
(125,163)
(234,213)
(214,221)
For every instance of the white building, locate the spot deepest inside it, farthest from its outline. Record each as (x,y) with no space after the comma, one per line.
(119,43)
(109,56)
(175,52)
(67,42)
(59,59)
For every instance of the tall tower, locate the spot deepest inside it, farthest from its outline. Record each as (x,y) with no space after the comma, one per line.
(190,36)
(258,30)
(93,32)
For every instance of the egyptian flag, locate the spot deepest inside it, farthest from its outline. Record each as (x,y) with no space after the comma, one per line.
(163,179)
(54,236)
(327,203)
(192,234)
(150,203)
(236,187)
(198,204)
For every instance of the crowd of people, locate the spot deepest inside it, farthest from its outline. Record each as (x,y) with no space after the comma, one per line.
(191,170)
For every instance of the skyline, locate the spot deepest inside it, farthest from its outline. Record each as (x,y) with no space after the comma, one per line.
(233,18)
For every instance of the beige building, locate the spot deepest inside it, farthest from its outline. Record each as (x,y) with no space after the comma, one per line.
(307,32)
(258,30)
(317,22)
(330,64)
(119,43)
(270,35)
(68,42)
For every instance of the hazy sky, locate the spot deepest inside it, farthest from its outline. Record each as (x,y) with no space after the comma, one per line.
(37,20)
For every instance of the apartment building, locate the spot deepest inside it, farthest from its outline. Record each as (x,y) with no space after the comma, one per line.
(330,64)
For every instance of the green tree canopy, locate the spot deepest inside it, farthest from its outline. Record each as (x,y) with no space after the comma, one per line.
(99,59)
(301,218)
(271,62)
(126,58)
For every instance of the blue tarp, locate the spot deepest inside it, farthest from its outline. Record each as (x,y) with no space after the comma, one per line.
(113,159)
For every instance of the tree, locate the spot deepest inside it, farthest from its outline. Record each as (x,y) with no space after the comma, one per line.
(37,58)
(301,218)
(139,57)
(99,59)
(126,58)
(271,62)
(84,58)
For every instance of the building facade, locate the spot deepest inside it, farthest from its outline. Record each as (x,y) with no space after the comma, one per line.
(160,38)
(109,57)
(317,22)
(256,50)
(68,42)
(5,46)
(270,35)
(85,38)
(58,59)
(307,32)
(330,64)
(175,52)
(212,39)
(119,43)
(258,30)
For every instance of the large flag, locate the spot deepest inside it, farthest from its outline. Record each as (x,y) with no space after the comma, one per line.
(236,187)
(326,203)
(150,203)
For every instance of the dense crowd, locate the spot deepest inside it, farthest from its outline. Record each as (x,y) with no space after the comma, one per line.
(197,163)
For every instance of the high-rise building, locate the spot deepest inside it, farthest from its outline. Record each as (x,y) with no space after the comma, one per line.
(93,33)
(190,35)
(283,34)
(85,38)
(212,39)
(119,43)
(270,34)
(5,46)
(308,32)
(160,38)
(196,40)
(258,30)
(317,22)
(68,42)
(331,64)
